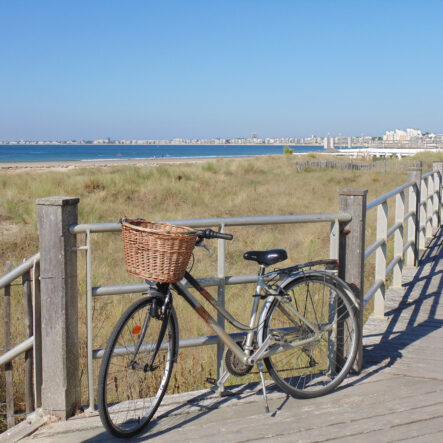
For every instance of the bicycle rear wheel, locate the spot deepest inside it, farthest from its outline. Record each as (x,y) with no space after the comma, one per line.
(130,388)
(322,359)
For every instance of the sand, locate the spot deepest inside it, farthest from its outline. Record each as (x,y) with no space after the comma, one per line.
(68,165)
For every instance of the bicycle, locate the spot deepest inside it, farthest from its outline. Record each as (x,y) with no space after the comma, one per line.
(306,335)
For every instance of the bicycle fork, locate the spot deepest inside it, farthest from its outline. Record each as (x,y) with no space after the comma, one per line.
(152,311)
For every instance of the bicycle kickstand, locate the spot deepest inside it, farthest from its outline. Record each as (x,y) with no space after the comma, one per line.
(265,396)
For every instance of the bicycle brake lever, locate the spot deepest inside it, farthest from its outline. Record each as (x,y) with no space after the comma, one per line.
(202,245)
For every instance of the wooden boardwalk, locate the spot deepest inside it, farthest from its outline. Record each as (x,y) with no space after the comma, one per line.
(397,397)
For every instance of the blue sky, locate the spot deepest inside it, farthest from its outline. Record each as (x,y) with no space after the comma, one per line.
(163,69)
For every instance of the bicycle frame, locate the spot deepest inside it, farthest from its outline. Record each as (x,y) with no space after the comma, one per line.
(263,351)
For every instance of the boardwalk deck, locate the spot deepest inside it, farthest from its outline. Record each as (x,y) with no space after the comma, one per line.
(398,396)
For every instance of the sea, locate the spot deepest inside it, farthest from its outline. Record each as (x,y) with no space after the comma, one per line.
(61,153)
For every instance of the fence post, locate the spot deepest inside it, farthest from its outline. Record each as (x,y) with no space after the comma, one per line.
(10,420)
(37,323)
(380,260)
(438,168)
(412,254)
(422,211)
(352,251)
(59,305)
(399,238)
(429,207)
(27,295)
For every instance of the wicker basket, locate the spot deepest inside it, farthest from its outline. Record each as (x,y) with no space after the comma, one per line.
(157,251)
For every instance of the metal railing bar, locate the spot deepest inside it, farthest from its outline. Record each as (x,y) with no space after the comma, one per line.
(428,174)
(230,221)
(373,248)
(16,351)
(19,270)
(394,228)
(408,215)
(408,245)
(428,220)
(385,197)
(391,265)
(192,342)
(143,287)
(377,285)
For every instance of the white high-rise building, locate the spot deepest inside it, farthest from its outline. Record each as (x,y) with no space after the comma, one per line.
(399,135)
(326,142)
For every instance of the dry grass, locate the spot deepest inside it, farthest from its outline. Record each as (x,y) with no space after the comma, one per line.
(219,188)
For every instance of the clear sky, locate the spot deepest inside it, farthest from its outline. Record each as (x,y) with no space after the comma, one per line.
(87,69)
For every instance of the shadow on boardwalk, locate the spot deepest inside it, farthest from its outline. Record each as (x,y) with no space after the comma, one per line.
(411,312)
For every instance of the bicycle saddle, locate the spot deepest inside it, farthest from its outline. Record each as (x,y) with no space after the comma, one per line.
(269,257)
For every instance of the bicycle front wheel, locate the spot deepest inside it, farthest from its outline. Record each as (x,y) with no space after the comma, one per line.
(131,386)
(317,318)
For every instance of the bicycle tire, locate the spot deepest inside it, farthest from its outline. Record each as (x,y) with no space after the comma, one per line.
(317,368)
(129,397)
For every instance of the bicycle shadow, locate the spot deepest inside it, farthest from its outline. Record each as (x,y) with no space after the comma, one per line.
(195,408)
(422,298)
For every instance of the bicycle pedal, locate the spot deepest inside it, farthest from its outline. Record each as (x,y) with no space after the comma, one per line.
(211,381)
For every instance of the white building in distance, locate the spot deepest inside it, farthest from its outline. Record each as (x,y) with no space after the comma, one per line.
(401,136)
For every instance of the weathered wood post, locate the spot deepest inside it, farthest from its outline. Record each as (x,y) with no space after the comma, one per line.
(380,260)
(27,295)
(59,305)
(412,254)
(10,420)
(37,336)
(352,251)
(438,167)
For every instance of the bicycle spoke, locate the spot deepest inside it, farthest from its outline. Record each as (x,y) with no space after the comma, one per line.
(129,396)
(311,368)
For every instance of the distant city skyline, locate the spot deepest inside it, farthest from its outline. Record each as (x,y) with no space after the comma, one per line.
(77,70)
(408,137)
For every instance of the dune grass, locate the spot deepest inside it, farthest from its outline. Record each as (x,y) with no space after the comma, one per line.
(218,188)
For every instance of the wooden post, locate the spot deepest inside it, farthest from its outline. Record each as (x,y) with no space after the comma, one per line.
(27,298)
(429,207)
(37,337)
(422,211)
(438,168)
(412,254)
(352,251)
(10,420)
(59,305)
(380,260)
(399,239)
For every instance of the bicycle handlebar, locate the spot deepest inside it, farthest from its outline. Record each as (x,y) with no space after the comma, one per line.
(209,233)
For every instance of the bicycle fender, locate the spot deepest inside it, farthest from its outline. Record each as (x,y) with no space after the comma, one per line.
(177,335)
(153,294)
(262,318)
(337,281)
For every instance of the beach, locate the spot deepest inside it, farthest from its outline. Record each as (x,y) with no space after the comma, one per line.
(17,167)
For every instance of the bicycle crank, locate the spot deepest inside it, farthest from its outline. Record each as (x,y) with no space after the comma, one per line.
(234,366)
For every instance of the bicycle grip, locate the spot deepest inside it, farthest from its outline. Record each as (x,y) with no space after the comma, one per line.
(223,236)
(209,233)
